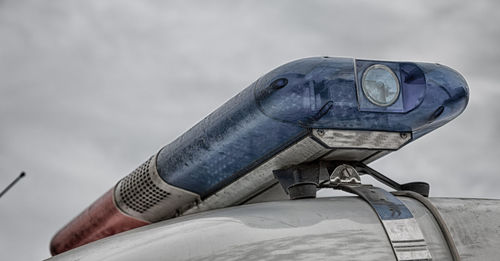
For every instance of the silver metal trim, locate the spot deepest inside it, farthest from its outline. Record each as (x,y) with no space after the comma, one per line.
(350,154)
(307,149)
(402,229)
(357,139)
(407,239)
(173,201)
(261,177)
(345,174)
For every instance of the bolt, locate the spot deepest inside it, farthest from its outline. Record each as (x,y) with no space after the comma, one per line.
(403,135)
(320,132)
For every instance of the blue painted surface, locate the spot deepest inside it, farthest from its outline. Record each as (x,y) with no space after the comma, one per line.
(282,106)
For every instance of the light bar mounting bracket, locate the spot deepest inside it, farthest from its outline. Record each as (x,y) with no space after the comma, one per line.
(402,229)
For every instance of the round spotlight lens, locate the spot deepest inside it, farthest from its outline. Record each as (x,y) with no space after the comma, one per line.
(380,85)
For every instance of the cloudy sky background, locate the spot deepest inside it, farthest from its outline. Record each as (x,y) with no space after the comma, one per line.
(90,89)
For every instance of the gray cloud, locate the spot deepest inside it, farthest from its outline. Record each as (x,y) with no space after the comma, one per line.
(90,89)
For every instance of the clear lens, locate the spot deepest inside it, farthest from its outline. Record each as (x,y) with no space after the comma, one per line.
(380,85)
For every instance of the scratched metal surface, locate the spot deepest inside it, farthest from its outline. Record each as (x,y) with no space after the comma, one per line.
(289,230)
(474,225)
(341,228)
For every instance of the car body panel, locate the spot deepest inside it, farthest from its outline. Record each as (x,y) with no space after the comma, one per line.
(337,228)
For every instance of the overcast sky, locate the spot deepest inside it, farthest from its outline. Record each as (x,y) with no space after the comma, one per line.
(90,89)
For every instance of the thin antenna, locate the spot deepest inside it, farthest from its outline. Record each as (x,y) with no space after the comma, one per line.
(13,183)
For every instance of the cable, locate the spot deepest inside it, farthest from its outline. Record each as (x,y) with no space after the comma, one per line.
(437,216)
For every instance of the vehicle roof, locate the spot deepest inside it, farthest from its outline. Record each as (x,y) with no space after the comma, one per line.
(342,227)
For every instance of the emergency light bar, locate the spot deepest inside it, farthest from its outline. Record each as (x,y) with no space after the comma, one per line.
(310,109)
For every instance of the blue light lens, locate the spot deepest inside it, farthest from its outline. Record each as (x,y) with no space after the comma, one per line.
(282,107)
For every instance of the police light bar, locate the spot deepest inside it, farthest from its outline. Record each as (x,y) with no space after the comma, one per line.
(314,108)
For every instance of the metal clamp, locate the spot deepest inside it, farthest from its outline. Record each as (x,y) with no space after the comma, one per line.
(401,227)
